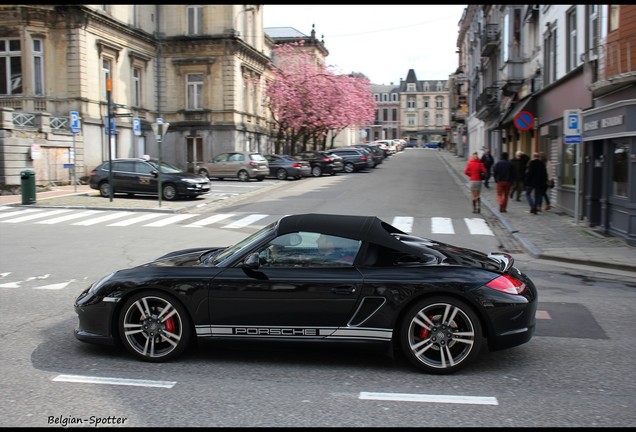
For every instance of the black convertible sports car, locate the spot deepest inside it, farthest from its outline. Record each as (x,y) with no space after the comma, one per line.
(318,277)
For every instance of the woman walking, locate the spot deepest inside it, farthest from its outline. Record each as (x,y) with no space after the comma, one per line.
(474,170)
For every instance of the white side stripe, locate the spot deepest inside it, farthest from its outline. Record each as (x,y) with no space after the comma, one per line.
(210,220)
(113,381)
(245,221)
(68,217)
(35,216)
(103,218)
(19,213)
(170,220)
(141,218)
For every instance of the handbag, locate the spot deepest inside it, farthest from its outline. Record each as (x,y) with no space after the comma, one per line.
(551,183)
(482,175)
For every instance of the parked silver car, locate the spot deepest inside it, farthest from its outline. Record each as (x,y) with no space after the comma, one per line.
(242,165)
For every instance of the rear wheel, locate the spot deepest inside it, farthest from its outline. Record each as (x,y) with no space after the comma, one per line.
(154,327)
(441,335)
(243,176)
(203,172)
(316,171)
(281,174)
(349,167)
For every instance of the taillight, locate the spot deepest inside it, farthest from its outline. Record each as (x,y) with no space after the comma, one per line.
(363,158)
(296,165)
(252,163)
(326,159)
(94,172)
(508,284)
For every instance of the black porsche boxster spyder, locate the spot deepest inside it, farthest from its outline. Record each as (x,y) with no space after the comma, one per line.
(318,277)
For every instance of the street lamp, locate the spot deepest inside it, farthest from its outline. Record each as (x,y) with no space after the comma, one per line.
(159,128)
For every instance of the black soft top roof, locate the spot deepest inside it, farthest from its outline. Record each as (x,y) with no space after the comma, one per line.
(366,228)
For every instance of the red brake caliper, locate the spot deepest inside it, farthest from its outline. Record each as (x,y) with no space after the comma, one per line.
(424,332)
(170,325)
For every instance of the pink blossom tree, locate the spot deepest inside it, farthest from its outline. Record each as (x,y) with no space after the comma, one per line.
(308,100)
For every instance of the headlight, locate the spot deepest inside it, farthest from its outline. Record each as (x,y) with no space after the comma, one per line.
(97,285)
(189,180)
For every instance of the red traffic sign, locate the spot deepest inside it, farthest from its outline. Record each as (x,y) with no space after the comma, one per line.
(524,120)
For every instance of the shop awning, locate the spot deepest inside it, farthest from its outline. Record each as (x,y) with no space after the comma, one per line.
(526,104)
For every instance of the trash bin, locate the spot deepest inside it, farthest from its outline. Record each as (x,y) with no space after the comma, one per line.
(28,186)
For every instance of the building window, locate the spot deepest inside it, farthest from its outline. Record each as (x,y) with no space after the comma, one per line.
(426,87)
(439,119)
(550,54)
(38,68)
(194,24)
(440,87)
(395,115)
(427,121)
(569,164)
(10,67)
(613,17)
(439,102)
(410,103)
(376,97)
(410,87)
(194,91)
(621,162)
(385,114)
(107,67)
(136,87)
(411,120)
(394,97)
(427,102)
(572,56)
(592,30)
(385,97)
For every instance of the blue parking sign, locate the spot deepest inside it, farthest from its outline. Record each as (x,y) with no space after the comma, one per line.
(136,126)
(75,122)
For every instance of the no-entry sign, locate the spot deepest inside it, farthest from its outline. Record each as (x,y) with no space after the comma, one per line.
(524,120)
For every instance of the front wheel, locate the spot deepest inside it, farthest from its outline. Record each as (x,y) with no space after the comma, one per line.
(169,192)
(316,171)
(281,174)
(441,335)
(349,167)
(104,189)
(154,327)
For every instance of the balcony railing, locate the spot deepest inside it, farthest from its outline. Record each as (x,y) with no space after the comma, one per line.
(611,64)
(489,39)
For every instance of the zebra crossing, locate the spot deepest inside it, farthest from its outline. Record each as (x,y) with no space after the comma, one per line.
(232,221)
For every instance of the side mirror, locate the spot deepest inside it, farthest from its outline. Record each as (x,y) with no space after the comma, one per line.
(252,261)
(155,173)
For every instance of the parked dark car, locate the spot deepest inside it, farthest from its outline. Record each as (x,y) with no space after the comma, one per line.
(376,153)
(285,166)
(321,162)
(318,277)
(353,159)
(140,176)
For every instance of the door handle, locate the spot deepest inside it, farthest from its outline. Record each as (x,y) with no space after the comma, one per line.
(343,290)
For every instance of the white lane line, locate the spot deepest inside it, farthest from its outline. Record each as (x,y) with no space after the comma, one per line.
(410,397)
(19,213)
(35,216)
(167,221)
(103,218)
(210,220)
(56,286)
(478,226)
(442,225)
(245,221)
(113,381)
(68,217)
(403,223)
(141,218)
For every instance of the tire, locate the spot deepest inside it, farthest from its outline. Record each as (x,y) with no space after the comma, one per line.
(433,343)
(260,178)
(160,333)
(349,167)
(243,176)
(104,189)
(169,192)
(281,174)
(203,172)
(316,171)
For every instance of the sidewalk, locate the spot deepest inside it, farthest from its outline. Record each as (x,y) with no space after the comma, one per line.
(551,234)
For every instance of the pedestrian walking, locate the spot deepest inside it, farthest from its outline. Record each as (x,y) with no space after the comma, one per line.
(536,178)
(503,174)
(549,184)
(488,161)
(475,170)
(519,165)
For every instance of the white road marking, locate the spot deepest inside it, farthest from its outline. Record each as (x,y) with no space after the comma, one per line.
(478,226)
(403,223)
(103,218)
(19,213)
(141,218)
(56,286)
(167,221)
(68,217)
(411,397)
(245,221)
(442,225)
(35,216)
(113,381)
(11,285)
(210,220)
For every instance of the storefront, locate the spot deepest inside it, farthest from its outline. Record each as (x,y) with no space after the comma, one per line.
(609,136)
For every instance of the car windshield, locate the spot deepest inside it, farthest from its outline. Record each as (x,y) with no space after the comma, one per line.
(166,168)
(246,242)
